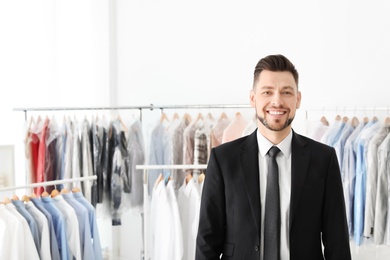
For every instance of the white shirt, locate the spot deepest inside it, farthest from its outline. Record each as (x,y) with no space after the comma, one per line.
(11,235)
(189,207)
(167,242)
(43,228)
(284,164)
(72,226)
(26,243)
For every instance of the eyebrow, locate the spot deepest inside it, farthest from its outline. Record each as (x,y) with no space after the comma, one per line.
(271,87)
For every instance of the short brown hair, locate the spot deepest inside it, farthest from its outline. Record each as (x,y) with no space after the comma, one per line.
(275,63)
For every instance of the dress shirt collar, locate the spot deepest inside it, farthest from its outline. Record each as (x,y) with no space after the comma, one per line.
(284,146)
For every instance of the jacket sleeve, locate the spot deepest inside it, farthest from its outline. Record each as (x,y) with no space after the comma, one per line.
(334,224)
(212,220)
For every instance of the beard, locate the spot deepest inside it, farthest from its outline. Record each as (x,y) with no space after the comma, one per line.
(276,128)
(282,127)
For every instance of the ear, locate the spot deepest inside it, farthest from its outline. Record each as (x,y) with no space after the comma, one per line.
(252,94)
(299,96)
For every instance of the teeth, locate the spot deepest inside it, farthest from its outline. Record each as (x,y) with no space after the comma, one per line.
(276,112)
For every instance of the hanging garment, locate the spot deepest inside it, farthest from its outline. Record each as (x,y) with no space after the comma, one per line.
(72,225)
(51,156)
(43,230)
(30,220)
(372,178)
(157,152)
(30,141)
(176,136)
(167,242)
(189,206)
(235,129)
(360,147)
(41,156)
(84,225)
(76,153)
(86,162)
(11,236)
(97,150)
(318,129)
(59,226)
(340,143)
(348,175)
(381,225)
(97,250)
(136,152)
(216,132)
(68,157)
(26,241)
(54,251)
(118,178)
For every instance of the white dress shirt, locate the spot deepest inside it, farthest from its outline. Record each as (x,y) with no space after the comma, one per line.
(167,242)
(43,229)
(284,164)
(11,235)
(72,225)
(26,242)
(189,207)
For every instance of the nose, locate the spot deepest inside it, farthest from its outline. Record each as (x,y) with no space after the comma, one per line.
(277,100)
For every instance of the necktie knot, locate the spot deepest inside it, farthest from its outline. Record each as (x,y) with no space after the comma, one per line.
(273,151)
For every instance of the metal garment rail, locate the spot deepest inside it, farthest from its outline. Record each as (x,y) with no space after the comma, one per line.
(48,183)
(145,168)
(140,108)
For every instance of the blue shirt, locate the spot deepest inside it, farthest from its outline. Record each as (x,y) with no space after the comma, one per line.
(93,224)
(55,254)
(84,226)
(59,226)
(31,222)
(348,174)
(360,147)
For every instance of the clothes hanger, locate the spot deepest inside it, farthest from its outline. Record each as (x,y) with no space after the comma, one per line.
(76,189)
(324,121)
(175,116)
(54,193)
(158,180)
(45,193)
(25,198)
(387,121)
(201,177)
(223,116)
(355,121)
(64,191)
(119,118)
(164,117)
(6,200)
(200,117)
(188,178)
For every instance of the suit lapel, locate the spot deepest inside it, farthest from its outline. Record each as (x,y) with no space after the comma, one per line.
(249,160)
(299,168)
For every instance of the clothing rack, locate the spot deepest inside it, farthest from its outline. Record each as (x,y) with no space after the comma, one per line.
(145,169)
(48,183)
(338,109)
(140,108)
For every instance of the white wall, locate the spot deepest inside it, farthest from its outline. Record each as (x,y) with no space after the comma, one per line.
(186,52)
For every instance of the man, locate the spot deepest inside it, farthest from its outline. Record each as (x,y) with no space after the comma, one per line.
(310,207)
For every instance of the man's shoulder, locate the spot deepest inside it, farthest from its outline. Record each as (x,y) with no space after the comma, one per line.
(309,142)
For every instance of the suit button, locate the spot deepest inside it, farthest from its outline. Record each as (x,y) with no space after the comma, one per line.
(257,248)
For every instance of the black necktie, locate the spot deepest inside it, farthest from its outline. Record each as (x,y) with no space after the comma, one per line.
(272,209)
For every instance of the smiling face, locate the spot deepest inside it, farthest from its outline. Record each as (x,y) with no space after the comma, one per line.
(275,97)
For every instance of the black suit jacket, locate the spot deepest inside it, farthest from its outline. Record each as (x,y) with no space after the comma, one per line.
(230,212)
